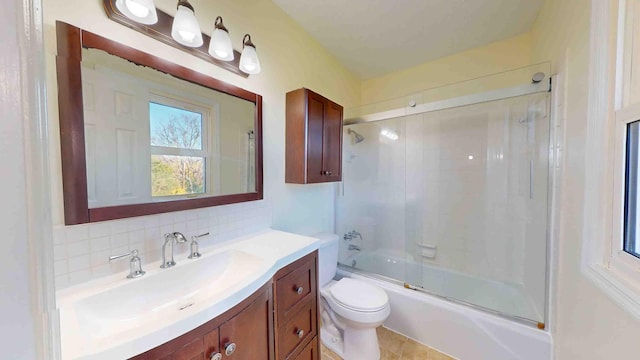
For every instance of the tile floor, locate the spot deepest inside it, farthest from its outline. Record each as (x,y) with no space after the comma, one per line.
(394,346)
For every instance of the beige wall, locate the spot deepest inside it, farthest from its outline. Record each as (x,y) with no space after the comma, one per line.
(588,324)
(290,59)
(486,60)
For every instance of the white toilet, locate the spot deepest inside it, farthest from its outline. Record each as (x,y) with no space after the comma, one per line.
(351,309)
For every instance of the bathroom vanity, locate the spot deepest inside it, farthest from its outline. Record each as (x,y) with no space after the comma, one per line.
(248,299)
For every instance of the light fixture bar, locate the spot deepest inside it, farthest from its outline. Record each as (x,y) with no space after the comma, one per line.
(161,31)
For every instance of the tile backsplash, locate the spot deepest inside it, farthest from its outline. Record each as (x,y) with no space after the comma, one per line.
(81,252)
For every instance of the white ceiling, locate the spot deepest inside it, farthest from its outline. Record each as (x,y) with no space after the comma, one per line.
(375,37)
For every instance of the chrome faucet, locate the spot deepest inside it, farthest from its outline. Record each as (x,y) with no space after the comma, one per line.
(352,235)
(169,239)
(135,265)
(354,247)
(194,246)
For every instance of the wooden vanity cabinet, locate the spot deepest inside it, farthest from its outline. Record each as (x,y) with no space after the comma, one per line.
(279,321)
(313,138)
(295,296)
(248,326)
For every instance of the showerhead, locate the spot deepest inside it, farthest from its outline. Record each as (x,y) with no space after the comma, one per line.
(357,138)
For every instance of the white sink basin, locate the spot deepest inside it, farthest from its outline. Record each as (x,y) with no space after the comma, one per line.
(162,295)
(117,318)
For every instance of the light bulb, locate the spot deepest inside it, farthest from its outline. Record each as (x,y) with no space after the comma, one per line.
(187,36)
(140,11)
(137,9)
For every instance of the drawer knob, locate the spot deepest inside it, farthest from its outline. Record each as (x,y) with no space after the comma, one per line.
(299,290)
(300,333)
(326,172)
(216,356)
(229,348)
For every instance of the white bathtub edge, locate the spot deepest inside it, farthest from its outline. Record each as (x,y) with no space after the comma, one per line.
(460,331)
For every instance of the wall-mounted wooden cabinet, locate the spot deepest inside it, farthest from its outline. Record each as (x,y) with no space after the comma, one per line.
(314,138)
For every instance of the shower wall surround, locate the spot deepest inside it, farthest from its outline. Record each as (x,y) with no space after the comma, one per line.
(82,251)
(455,194)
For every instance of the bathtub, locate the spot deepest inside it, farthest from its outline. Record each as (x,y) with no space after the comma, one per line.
(449,327)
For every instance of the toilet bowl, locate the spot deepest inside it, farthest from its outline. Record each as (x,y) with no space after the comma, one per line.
(350,309)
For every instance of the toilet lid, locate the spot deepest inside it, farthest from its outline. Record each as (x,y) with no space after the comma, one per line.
(358,295)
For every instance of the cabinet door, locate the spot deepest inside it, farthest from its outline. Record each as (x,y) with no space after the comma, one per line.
(315,137)
(192,351)
(332,142)
(248,332)
(310,352)
(211,344)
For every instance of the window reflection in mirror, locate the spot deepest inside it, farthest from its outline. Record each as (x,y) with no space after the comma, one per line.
(150,137)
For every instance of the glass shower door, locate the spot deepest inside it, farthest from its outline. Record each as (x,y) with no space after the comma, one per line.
(476,211)
(371,204)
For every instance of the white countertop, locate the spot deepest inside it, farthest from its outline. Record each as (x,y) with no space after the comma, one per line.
(126,337)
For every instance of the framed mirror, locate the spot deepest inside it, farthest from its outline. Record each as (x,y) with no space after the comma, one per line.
(140,135)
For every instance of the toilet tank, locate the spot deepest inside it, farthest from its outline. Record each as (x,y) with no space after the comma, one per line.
(327,257)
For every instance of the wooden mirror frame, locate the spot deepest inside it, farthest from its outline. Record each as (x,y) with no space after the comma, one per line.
(71,40)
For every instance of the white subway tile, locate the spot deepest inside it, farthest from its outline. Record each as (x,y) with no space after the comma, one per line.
(99,229)
(59,235)
(100,271)
(152,234)
(136,236)
(78,248)
(100,258)
(192,226)
(79,276)
(151,221)
(77,233)
(60,267)
(165,219)
(180,217)
(180,227)
(79,263)
(137,223)
(59,252)
(118,227)
(99,244)
(119,266)
(81,252)
(139,245)
(118,240)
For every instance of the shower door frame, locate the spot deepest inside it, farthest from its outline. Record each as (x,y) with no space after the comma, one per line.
(553,173)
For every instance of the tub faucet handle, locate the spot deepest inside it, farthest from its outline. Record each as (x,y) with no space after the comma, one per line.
(352,235)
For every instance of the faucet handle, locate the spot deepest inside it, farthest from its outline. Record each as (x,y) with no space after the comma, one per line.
(194,246)
(135,264)
(179,237)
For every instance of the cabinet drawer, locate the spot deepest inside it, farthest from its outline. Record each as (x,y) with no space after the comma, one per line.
(310,352)
(300,327)
(294,287)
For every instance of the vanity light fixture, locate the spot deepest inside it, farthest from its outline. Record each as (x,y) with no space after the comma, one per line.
(220,44)
(140,11)
(186,29)
(182,31)
(249,61)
